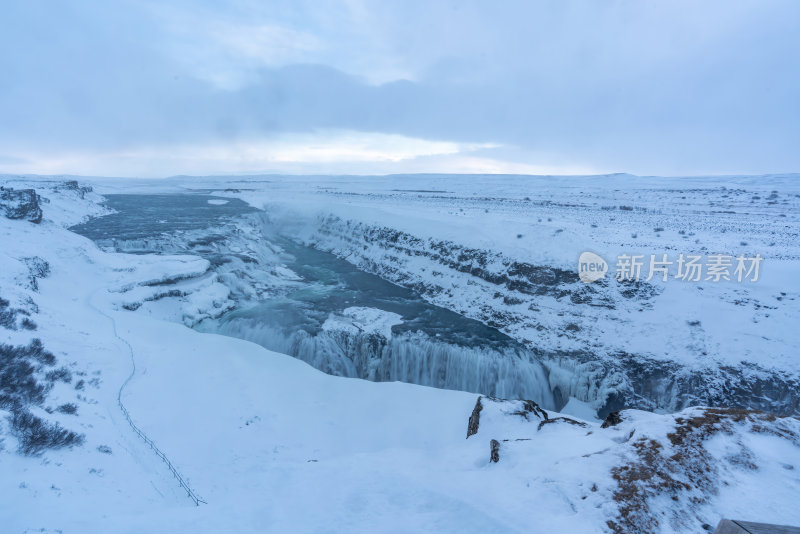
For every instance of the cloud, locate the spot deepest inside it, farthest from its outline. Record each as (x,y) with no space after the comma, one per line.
(324,151)
(647,87)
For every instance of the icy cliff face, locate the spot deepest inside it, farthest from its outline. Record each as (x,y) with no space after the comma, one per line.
(415,358)
(570,325)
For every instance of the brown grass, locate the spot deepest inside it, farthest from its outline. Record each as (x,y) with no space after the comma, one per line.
(686,472)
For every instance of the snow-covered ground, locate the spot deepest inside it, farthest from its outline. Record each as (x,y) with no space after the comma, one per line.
(272,445)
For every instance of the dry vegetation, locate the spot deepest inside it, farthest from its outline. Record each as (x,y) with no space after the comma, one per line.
(683,470)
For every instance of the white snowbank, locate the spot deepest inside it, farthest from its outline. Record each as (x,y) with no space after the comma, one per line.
(364,320)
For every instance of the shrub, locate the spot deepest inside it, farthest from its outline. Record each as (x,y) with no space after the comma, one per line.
(35,434)
(37,268)
(19,389)
(62,373)
(68,408)
(36,350)
(18,385)
(8,315)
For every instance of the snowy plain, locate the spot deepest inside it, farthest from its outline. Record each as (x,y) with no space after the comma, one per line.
(273,445)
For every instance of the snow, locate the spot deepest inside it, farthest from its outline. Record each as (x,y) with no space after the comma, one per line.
(581,410)
(366,320)
(273,445)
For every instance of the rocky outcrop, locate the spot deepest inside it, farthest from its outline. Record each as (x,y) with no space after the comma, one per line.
(531,408)
(494,451)
(74,186)
(510,421)
(37,268)
(20,204)
(612,419)
(475,418)
(498,410)
(567,420)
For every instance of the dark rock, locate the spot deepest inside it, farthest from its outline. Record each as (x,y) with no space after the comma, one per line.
(20,204)
(561,420)
(520,408)
(475,418)
(72,185)
(495,451)
(612,419)
(530,407)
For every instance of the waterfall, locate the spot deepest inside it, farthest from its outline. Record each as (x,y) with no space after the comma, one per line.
(412,357)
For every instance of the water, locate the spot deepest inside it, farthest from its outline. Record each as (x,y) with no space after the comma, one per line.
(334,284)
(432,346)
(141,216)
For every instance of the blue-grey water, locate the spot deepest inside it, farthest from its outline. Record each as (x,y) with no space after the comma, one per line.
(139,216)
(432,346)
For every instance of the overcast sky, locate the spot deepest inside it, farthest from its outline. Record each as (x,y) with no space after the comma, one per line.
(159,88)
